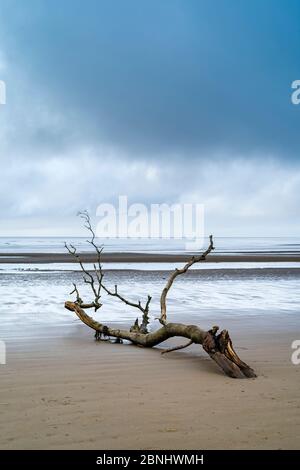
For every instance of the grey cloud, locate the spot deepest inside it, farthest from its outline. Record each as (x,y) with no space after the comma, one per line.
(167,102)
(164,77)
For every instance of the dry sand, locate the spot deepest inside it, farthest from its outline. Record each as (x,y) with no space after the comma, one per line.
(62,390)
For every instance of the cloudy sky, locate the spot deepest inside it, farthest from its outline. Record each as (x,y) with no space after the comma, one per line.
(164,101)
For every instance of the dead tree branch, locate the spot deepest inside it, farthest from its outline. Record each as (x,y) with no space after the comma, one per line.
(218,346)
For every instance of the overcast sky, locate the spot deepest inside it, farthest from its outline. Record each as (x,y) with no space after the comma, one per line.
(161,100)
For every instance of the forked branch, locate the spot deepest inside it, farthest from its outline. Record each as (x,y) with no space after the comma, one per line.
(144,310)
(97,283)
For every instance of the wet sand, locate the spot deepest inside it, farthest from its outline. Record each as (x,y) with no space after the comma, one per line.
(62,390)
(34,258)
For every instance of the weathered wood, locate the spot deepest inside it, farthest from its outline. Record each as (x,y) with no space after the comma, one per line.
(178,272)
(216,346)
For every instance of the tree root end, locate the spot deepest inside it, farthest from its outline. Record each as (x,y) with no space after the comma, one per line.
(220,349)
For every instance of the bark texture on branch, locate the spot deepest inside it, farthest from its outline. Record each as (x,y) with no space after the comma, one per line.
(218,347)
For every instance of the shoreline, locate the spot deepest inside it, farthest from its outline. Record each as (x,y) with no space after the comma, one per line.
(45,258)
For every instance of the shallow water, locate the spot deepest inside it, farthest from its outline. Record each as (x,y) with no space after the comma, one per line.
(36,300)
(33,296)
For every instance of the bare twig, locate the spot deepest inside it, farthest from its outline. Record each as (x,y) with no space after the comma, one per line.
(80,302)
(144,310)
(85,216)
(88,277)
(176,348)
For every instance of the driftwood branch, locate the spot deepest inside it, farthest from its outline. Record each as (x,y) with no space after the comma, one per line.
(218,346)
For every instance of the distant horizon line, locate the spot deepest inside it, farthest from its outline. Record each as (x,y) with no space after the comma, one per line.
(145,238)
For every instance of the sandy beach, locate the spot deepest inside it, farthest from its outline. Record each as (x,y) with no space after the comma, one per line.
(62,390)
(69,392)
